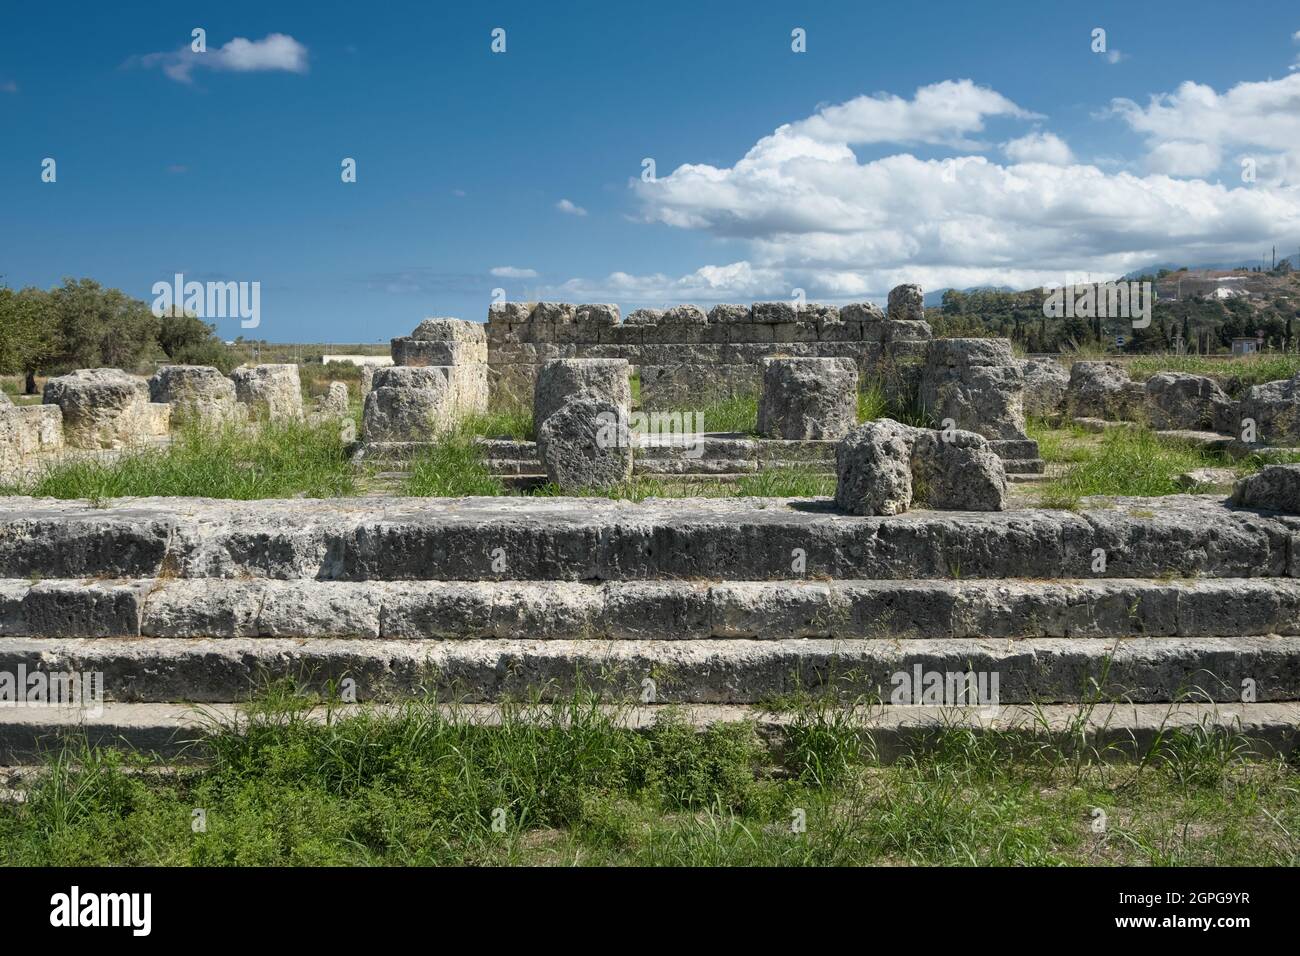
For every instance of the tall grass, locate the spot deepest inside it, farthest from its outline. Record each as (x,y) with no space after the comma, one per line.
(271,460)
(1246,370)
(1127,461)
(567,783)
(736,414)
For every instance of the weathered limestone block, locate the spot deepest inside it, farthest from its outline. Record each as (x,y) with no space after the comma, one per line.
(883,466)
(334,406)
(861,312)
(873,470)
(957,470)
(270,391)
(449,330)
(102,407)
(25,432)
(554,322)
(441,341)
(975,383)
(418,352)
(334,403)
(583,444)
(596,320)
(684,315)
(558,379)
(1179,400)
(1274,408)
(906,303)
(693,385)
(730,314)
(1045,383)
(367,379)
(1104,390)
(418,403)
(1275,488)
(808,398)
(196,393)
(644,317)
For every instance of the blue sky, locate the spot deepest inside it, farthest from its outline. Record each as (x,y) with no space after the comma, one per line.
(945,143)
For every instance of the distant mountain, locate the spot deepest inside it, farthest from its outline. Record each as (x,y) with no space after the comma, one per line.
(1172,266)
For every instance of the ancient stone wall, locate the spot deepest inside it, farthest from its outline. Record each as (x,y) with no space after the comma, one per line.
(685,356)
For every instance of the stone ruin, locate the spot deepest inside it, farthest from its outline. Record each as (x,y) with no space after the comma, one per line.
(183,602)
(440,376)
(685,356)
(806,399)
(106,410)
(1100,393)
(883,467)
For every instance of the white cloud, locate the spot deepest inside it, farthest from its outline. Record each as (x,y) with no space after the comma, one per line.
(938,114)
(572,209)
(9,86)
(807,213)
(1258,119)
(1039,148)
(1115,56)
(1184,158)
(275,51)
(510,272)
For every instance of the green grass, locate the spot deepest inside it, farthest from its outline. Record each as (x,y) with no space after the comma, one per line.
(454,466)
(1126,461)
(1068,444)
(1247,370)
(872,404)
(736,414)
(275,460)
(565,784)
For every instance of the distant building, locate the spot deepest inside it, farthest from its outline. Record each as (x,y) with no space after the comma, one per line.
(1245,346)
(358,359)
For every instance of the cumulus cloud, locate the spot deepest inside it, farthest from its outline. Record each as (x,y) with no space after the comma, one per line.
(572,209)
(805,212)
(938,114)
(1193,130)
(1039,148)
(275,51)
(510,272)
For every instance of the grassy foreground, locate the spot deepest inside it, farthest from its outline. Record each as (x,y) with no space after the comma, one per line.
(273,460)
(562,784)
(1126,461)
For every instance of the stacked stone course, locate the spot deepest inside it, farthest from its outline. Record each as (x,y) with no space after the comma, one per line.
(684,355)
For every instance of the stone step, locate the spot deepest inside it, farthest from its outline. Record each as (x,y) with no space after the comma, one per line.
(649,610)
(740,671)
(591,539)
(1014,449)
(1023,466)
(175,731)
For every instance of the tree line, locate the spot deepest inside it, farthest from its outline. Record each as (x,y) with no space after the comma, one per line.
(82,324)
(1205,325)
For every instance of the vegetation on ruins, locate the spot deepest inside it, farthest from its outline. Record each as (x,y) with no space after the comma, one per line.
(565,784)
(278,459)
